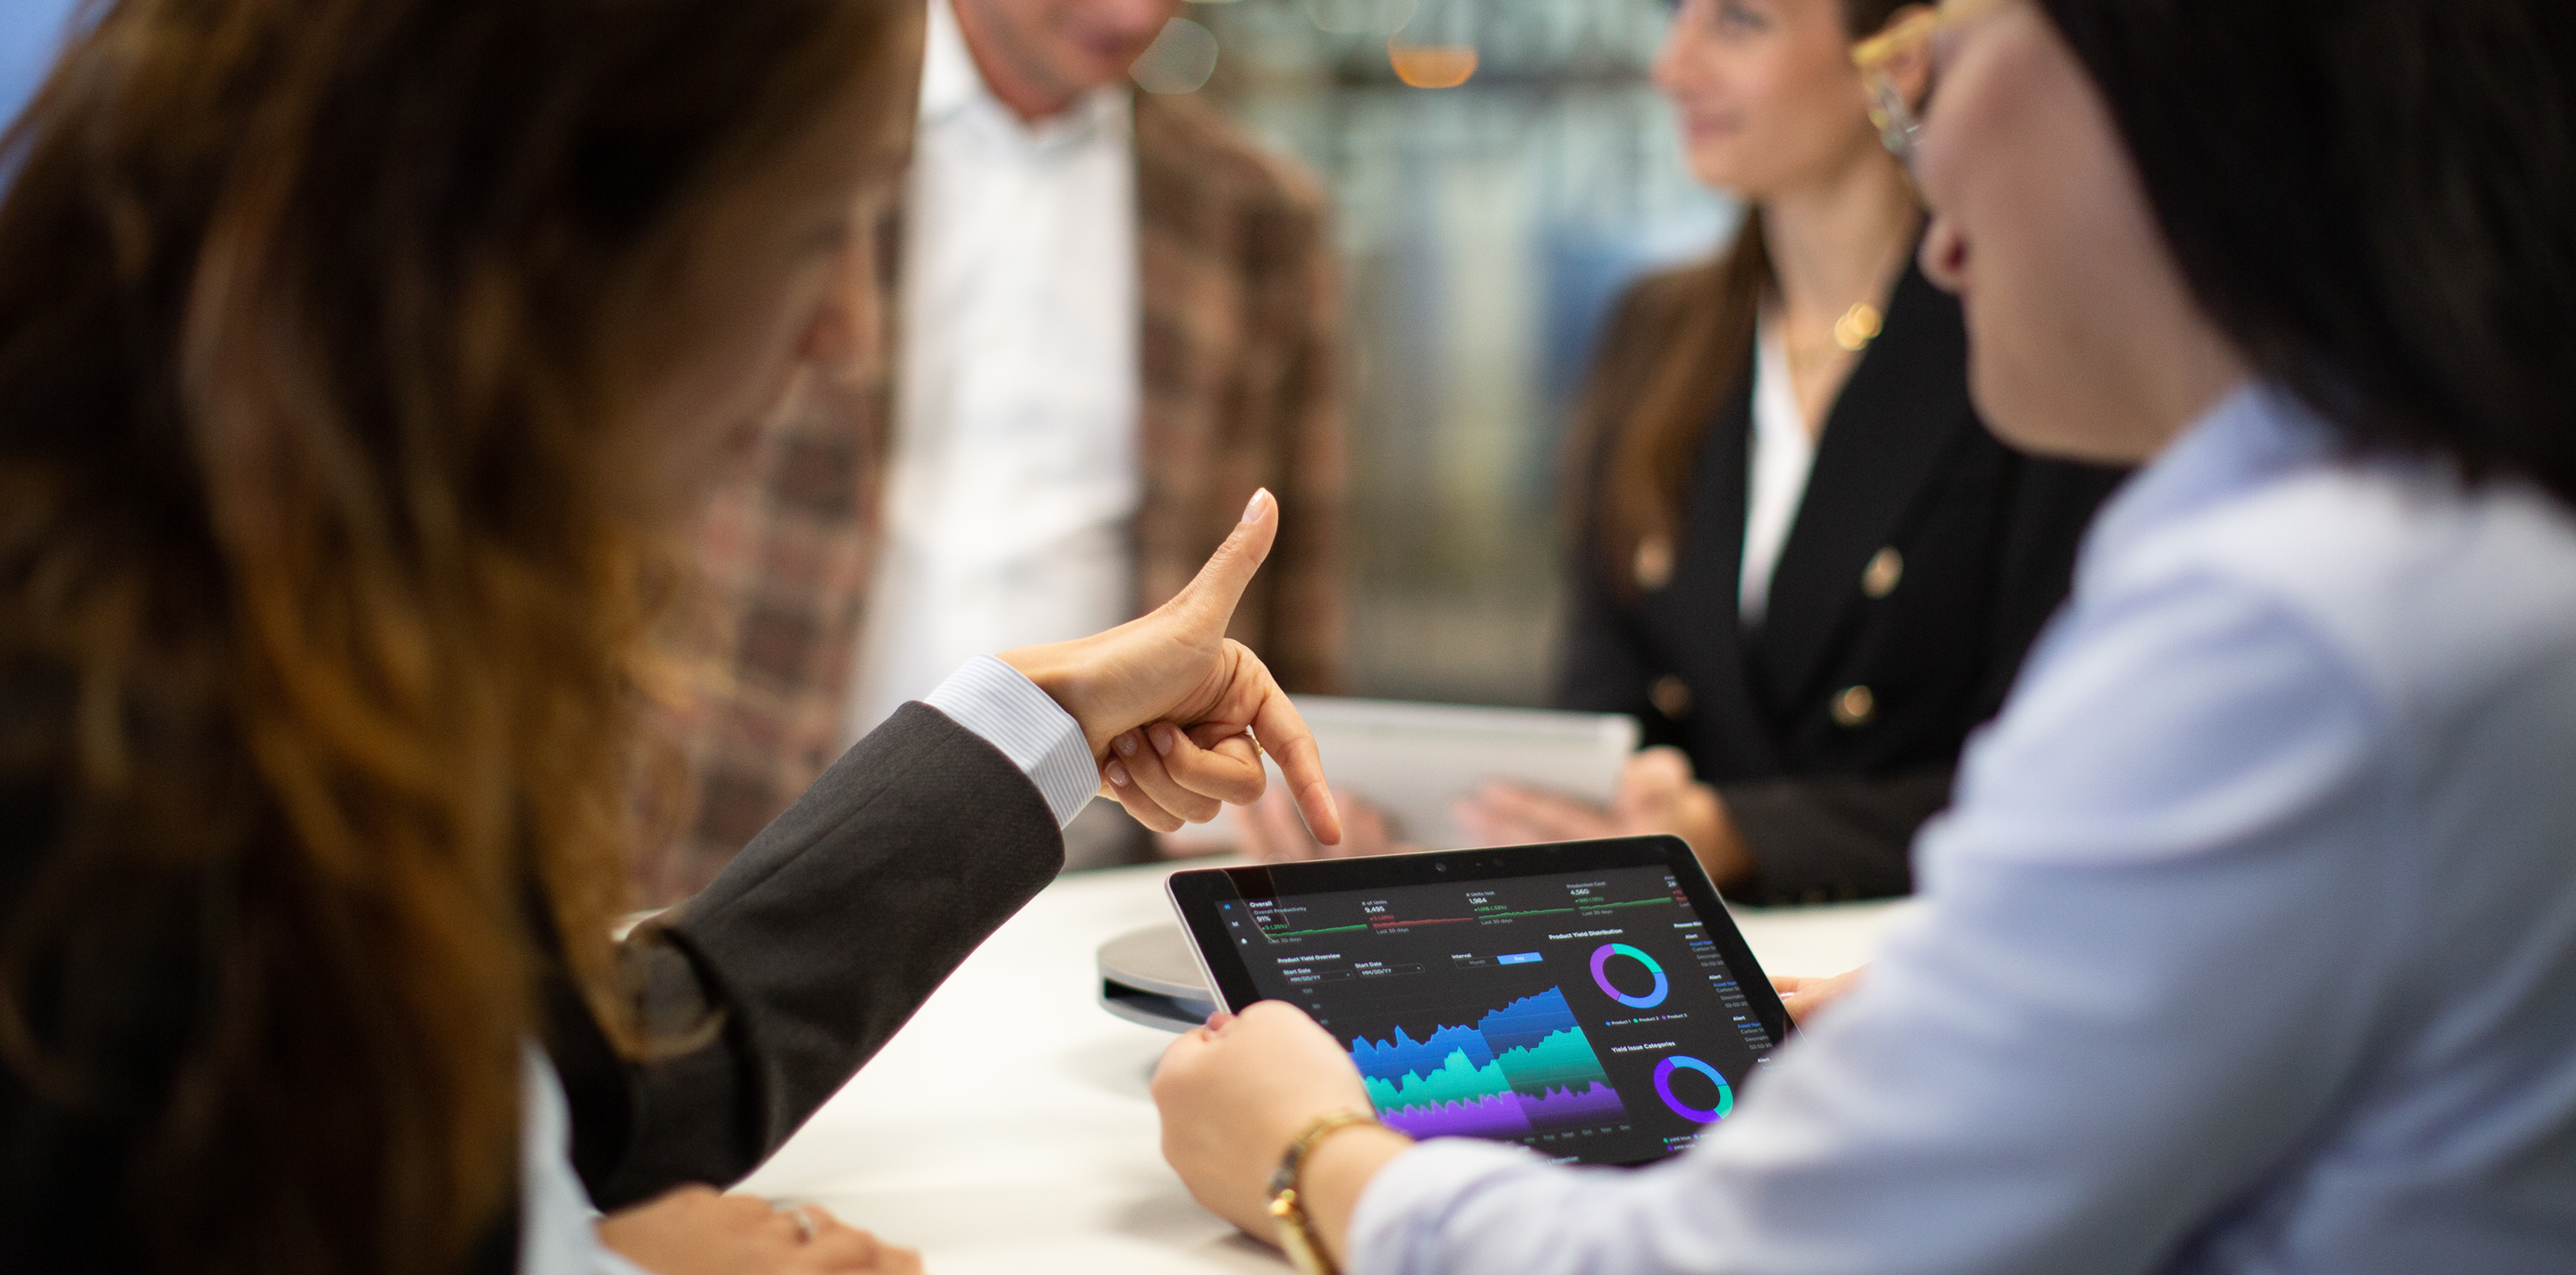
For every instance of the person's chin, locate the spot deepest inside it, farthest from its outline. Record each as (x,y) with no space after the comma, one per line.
(1103,61)
(2030,415)
(1715,161)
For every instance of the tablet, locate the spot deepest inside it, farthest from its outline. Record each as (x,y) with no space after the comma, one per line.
(1413,761)
(1591,1000)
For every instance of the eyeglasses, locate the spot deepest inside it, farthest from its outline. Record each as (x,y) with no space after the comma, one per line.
(1900,123)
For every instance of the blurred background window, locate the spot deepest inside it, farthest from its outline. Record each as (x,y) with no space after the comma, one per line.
(31,32)
(1485,227)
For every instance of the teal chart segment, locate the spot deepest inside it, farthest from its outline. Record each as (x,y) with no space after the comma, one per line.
(1701,1115)
(1601,957)
(1523,1069)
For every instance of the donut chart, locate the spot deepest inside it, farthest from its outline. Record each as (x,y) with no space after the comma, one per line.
(1601,976)
(1664,1089)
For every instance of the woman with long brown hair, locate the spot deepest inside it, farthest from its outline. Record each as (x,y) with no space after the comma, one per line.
(360,360)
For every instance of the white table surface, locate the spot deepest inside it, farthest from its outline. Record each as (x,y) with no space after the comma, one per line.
(1021,1140)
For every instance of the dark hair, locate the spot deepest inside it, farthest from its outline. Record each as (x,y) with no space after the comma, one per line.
(2375,199)
(322,613)
(1683,347)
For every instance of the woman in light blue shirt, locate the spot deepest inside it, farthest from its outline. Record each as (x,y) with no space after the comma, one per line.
(2250,941)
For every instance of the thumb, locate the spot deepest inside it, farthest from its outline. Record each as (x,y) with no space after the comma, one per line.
(1212,594)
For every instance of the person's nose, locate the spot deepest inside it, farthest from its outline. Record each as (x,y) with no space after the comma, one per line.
(1671,70)
(1138,18)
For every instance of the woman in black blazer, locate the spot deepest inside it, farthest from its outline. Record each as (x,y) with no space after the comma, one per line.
(1924,558)
(1801,731)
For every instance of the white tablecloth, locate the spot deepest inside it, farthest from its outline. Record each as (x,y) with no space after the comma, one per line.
(1007,1127)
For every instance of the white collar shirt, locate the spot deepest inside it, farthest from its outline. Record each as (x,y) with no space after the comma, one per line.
(1783,457)
(1013,478)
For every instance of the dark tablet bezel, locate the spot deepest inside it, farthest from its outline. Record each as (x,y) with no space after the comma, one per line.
(1196,893)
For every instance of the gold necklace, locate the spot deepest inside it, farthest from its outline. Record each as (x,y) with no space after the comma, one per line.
(1853,332)
(1858,327)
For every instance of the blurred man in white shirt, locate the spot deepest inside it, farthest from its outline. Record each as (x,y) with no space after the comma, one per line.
(1115,319)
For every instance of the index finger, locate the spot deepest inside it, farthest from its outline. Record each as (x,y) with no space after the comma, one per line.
(1283,734)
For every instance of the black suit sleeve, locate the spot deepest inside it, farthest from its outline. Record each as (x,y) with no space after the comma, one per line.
(818,941)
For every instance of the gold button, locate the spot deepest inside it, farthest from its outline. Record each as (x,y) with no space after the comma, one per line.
(1654,565)
(1855,706)
(1671,696)
(1886,567)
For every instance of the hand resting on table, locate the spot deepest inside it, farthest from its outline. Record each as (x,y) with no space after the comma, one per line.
(695,1231)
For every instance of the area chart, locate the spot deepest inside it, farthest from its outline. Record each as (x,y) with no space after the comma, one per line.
(1523,1069)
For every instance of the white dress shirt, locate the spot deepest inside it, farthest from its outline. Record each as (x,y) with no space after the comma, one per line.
(1013,477)
(2248,946)
(557,1233)
(1783,456)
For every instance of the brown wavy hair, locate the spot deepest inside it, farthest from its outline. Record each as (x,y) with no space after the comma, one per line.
(1686,347)
(322,632)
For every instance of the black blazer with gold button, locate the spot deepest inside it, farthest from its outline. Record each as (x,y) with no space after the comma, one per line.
(1924,559)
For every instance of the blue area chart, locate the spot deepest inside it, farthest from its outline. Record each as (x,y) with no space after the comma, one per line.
(1521,1070)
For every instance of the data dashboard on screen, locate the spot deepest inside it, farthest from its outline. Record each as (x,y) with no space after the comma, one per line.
(1591,1015)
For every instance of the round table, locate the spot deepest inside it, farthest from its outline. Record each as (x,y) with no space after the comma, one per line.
(1007,1127)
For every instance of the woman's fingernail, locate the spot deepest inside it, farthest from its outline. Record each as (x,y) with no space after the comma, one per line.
(1117,774)
(1127,745)
(1162,737)
(1252,511)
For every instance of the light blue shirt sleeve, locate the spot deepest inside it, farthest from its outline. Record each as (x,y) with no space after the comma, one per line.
(1008,710)
(32,34)
(2153,929)
(2247,946)
(558,1228)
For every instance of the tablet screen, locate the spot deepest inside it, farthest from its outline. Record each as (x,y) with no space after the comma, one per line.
(1590,1012)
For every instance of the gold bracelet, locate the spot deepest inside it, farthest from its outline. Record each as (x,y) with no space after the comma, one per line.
(1297,1237)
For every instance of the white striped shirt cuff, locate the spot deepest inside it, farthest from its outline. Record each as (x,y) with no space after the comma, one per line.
(993,700)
